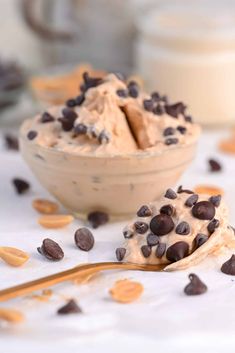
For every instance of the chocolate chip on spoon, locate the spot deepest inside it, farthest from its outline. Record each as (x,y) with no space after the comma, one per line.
(103,137)
(170,194)
(182,129)
(160,251)
(11,142)
(32,134)
(175,109)
(186,191)
(204,210)
(215,199)
(169,131)
(146,250)
(144,211)
(177,251)
(97,218)
(182,228)
(229,266)
(122,93)
(141,227)
(51,250)
(46,118)
(148,105)
(21,186)
(84,239)
(161,224)
(171,141)
(191,200)
(70,308)
(120,253)
(168,210)
(152,239)
(200,239)
(213,225)
(80,129)
(196,286)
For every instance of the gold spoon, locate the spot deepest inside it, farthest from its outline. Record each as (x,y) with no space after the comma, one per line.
(75,272)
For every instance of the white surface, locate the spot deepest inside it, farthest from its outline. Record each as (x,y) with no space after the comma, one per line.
(163,319)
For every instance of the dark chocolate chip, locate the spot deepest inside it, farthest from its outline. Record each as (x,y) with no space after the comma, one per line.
(155,96)
(169,131)
(229,266)
(146,250)
(120,253)
(128,233)
(175,109)
(144,211)
(70,308)
(46,118)
(177,251)
(122,93)
(203,210)
(152,239)
(181,129)
(11,142)
(103,137)
(67,122)
(170,194)
(171,141)
(191,200)
(84,239)
(213,225)
(200,239)
(186,191)
(133,89)
(90,82)
(80,129)
(80,99)
(32,134)
(97,218)
(92,131)
(169,210)
(21,186)
(214,165)
(141,227)
(51,250)
(69,113)
(158,110)
(196,286)
(182,228)
(215,199)
(188,119)
(148,105)
(71,103)
(160,251)
(161,224)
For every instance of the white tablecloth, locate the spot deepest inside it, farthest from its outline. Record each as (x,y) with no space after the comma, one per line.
(162,319)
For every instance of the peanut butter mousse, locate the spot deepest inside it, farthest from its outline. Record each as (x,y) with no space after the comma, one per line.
(179,230)
(112,117)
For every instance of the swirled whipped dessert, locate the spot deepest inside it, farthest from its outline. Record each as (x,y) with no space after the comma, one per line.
(179,230)
(112,117)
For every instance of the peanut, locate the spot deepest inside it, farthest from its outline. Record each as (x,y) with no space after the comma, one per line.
(12,256)
(45,206)
(11,315)
(208,190)
(55,221)
(126,291)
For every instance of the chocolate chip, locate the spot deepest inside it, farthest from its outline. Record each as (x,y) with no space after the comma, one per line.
(212,226)
(177,251)
(84,239)
(97,218)
(70,308)
(51,250)
(168,210)
(169,131)
(146,250)
(155,96)
(32,134)
(80,129)
(92,131)
(196,286)
(11,142)
(67,125)
(128,233)
(152,239)
(160,251)
(171,141)
(170,194)
(21,186)
(158,110)
(80,99)
(148,104)
(71,103)
(188,119)
(215,200)
(181,129)
(161,224)
(90,82)
(46,118)
(200,239)
(182,228)
(229,266)
(186,191)
(69,113)
(103,137)
(122,93)
(191,200)
(141,227)
(144,211)
(175,109)
(133,89)
(120,253)
(203,210)
(214,165)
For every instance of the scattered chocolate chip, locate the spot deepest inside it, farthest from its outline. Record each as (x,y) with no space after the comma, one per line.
(97,218)
(80,129)
(215,200)
(203,210)
(160,251)
(212,226)
(67,124)
(188,119)
(128,233)
(169,210)
(181,129)
(169,131)
(51,250)
(171,141)
(214,165)
(175,109)
(46,118)
(158,110)
(90,82)
(186,191)
(146,250)
(32,134)
(84,239)
(196,286)
(191,200)
(177,251)
(182,228)
(120,253)
(141,227)
(122,93)
(152,239)
(71,103)
(92,131)
(155,96)
(11,142)
(144,211)
(229,266)
(80,99)
(21,186)
(103,137)
(70,308)
(133,89)
(170,194)
(200,239)
(161,224)
(69,113)
(148,104)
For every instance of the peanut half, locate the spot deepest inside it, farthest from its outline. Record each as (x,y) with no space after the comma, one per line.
(12,256)
(126,291)
(45,206)
(55,221)
(11,315)
(208,190)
